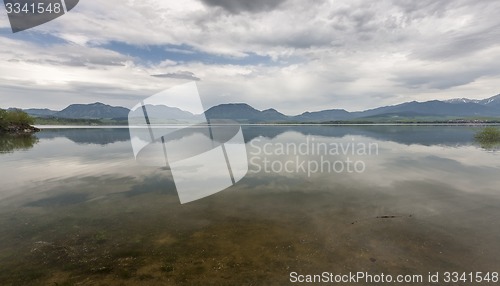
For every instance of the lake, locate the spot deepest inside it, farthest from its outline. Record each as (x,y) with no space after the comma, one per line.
(77,209)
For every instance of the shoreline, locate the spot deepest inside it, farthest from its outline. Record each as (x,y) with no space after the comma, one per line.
(51,126)
(19,130)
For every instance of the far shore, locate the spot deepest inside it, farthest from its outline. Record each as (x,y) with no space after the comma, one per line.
(51,126)
(19,130)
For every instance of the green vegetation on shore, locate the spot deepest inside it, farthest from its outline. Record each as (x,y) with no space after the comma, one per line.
(420,120)
(409,121)
(16,121)
(79,122)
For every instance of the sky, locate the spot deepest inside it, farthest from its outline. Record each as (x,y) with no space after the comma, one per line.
(291,55)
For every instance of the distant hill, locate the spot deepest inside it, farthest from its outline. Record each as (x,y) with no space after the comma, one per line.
(242,112)
(166,112)
(324,115)
(92,111)
(433,108)
(40,112)
(489,107)
(272,114)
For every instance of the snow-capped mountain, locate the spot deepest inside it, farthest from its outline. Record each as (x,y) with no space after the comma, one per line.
(494,100)
(462,100)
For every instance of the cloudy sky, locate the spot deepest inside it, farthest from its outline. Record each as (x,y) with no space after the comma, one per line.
(293,55)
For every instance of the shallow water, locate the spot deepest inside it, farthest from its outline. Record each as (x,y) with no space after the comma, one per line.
(76,209)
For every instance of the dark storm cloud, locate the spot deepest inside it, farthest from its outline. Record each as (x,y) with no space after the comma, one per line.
(358,18)
(238,6)
(481,32)
(79,62)
(179,75)
(298,39)
(338,29)
(441,80)
(353,54)
(416,82)
(425,8)
(458,44)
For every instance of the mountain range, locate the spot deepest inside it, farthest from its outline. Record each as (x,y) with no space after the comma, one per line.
(242,112)
(82,111)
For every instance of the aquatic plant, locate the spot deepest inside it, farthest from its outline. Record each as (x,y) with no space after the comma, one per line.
(488,137)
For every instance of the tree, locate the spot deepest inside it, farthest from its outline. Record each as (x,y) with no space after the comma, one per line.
(20,117)
(3,119)
(15,117)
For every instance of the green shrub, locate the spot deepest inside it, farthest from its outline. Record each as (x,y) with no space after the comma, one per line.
(3,121)
(14,117)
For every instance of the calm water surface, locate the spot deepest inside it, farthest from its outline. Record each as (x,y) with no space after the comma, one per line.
(77,209)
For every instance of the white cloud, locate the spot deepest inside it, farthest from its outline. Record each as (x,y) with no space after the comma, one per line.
(333,54)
